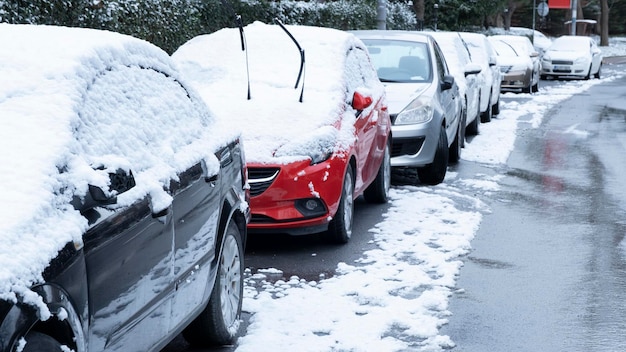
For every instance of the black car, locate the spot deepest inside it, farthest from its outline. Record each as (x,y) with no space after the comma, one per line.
(125,205)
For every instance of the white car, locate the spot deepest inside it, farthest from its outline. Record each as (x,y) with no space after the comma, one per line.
(465,73)
(572,56)
(483,53)
(522,45)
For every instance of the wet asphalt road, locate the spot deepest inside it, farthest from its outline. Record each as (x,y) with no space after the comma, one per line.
(548,267)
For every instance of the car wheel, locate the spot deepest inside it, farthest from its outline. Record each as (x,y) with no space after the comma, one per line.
(597,75)
(496,108)
(527,89)
(219,323)
(435,172)
(378,190)
(39,342)
(459,140)
(486,116)
(340,227)
(535,88)
(472,128)
(543,77)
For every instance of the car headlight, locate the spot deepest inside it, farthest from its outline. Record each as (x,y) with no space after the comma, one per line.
(318,145)
(421,113)
(580,60)
(546,58)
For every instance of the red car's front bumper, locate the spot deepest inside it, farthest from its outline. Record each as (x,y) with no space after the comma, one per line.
(295,198)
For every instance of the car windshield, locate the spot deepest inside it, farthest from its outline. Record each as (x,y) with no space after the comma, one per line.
(569,44)
(400,61)
(503,49)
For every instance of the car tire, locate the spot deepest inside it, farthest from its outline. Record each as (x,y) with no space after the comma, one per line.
(340,227)
(535,88)
(543,77)
(220,321)
(496,108)
(435,172)
(473,128)
(378,190)
(39,342)
(455,148)
(597,75)
(487,114)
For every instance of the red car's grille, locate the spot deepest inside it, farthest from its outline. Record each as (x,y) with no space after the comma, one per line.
(261,178)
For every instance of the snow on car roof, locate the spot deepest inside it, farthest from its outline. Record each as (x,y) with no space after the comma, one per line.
(45,74)
(274,117)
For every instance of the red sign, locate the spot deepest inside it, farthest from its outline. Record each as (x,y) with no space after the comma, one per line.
(559,4)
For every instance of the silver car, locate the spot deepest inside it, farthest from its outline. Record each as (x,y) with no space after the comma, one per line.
(424,101)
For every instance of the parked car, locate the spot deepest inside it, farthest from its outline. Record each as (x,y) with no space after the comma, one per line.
(539,40)
(424,101)
(572,56)
(517,68)
(466,74)
(482,53)
(523,47)
(125,202)
(311,151)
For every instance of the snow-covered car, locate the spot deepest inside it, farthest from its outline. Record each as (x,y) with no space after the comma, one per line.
(539,40)
(572,56)
(311,147)
(516,66)
(466,74)
(482,53)
(424,101)
(124,203)
(523,47)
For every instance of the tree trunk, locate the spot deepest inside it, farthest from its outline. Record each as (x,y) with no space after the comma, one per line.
(604,23)
(418,7)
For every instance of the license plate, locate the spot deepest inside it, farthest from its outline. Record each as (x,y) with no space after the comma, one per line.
(561,68)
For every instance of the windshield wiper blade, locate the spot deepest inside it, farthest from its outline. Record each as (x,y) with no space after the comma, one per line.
(301,72)
(239,24)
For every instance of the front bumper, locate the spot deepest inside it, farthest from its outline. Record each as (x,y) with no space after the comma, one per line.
(295,198)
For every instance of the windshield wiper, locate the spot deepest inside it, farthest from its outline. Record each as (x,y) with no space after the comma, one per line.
(239,24)
(301,72)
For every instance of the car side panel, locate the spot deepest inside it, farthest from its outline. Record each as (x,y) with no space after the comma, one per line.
(197,206)
(129,260)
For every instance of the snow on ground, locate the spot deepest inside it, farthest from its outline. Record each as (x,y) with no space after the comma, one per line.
(395,298)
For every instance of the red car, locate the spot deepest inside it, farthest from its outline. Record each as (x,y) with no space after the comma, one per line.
(311,147)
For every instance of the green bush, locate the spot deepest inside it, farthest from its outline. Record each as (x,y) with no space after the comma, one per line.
(170,23)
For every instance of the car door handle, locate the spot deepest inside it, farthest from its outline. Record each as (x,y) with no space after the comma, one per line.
(212,180)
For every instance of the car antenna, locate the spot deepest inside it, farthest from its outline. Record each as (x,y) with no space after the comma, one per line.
(301,73)
(239,24)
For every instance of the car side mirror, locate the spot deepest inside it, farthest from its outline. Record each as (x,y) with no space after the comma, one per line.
(492,61)
(120,182)
(447,83)
(534,54)
(360,101)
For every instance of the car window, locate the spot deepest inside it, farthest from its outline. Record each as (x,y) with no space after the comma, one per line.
(359,71)
(112,133)
(400,60)
(442,68)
